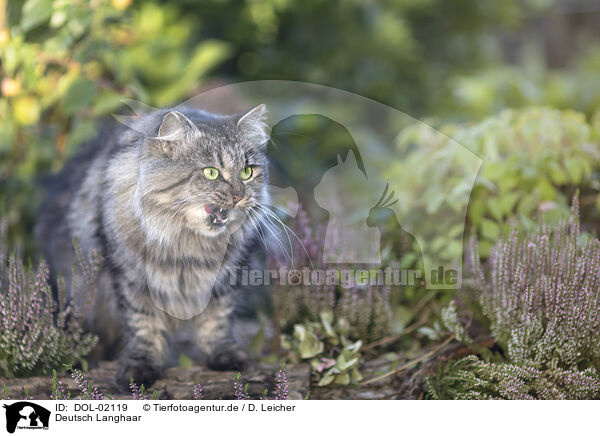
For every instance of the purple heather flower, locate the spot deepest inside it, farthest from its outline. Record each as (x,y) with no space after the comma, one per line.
(88,392)
(198,394)
(38,331)
(281,387)
(137,392)
(240,391)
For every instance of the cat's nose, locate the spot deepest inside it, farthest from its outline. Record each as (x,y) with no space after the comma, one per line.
(236,198)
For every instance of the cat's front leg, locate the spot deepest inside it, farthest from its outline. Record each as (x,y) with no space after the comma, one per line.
(144,354)
(214,335)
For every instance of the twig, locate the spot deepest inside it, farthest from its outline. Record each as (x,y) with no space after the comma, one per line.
(411,363)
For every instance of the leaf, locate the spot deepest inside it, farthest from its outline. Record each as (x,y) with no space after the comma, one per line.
(508,201)
(490,229)
(495,207)
(185,361)
(257,342)
(345,365)
(309,345)
(26,110)
(326,380)
(326,319)
(320,365)
(557,174)
(207,55)
(574,169)
(354,348)
(299,332)
(80,94)
(106,102)
(429,333)
(35,12)
(342,379)
(402,316)
(355,375)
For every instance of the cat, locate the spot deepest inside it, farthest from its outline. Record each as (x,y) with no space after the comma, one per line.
(171,204)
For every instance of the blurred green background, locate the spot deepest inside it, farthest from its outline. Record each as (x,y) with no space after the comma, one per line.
(66,64)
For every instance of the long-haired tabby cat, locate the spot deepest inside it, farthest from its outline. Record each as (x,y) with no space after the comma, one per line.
(171,204)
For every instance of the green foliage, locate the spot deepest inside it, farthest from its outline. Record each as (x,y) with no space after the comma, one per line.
(530,82)
(533,161)
(473,379)
(402,53)
(334,358)
(67,63)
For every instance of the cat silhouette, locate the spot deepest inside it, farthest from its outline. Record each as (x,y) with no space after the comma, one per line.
(346,193)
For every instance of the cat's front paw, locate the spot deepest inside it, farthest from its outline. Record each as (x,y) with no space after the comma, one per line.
(228,357)
(143,372)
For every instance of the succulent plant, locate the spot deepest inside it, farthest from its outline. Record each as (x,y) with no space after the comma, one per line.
(334,359)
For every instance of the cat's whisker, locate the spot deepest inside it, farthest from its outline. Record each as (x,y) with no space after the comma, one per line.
(268,211)
(259,231)
(269,227)
(279,243)
(270,224)
(286,233)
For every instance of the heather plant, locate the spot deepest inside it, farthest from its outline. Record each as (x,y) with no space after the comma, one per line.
(240,391)
(197,391)
(4,395)
(137,392)
(281,384)
(540,295)
(59,392)
(40,331)
(87,389)
(473,379)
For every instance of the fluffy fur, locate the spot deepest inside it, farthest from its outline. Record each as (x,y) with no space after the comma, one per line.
(167,234)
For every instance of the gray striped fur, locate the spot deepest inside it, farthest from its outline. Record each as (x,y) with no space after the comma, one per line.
(128,196)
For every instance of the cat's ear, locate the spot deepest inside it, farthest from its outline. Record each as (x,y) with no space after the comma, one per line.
(254,124)
(175,133)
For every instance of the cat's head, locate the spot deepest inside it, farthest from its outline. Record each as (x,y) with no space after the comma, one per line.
(205,171)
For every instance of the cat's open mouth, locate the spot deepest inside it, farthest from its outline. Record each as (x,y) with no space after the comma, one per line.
(216,214)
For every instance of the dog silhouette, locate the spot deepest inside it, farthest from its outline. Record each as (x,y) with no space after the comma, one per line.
(13,415)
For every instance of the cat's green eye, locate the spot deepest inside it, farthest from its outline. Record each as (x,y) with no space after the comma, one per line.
(246,173)
(211,173)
